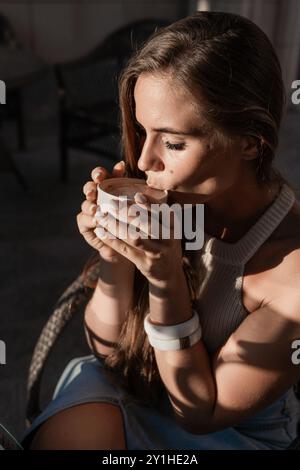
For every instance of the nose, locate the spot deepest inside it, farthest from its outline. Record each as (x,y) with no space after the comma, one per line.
(149,159)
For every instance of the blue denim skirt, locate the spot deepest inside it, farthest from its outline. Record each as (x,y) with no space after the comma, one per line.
(85,381)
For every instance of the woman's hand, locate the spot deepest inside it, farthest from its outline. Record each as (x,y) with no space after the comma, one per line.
(157,259)
(85,219)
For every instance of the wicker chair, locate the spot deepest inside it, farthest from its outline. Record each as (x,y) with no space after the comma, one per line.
(7,441)
(73,300)
(70,303)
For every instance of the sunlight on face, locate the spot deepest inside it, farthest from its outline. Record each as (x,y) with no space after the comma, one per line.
(179,151)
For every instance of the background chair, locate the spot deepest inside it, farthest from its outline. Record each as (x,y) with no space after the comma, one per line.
(7,33)
(14,109)
(88,92)
(19,67)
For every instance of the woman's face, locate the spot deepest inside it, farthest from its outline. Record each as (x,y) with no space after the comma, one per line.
(179,153)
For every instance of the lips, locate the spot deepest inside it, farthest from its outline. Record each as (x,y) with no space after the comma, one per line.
(152,186)
(149,183)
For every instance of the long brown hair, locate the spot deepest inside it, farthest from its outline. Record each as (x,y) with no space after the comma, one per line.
(230,62)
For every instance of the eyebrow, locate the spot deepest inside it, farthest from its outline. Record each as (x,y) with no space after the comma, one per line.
(169,130)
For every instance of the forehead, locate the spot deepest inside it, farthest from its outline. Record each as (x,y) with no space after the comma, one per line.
(160,98)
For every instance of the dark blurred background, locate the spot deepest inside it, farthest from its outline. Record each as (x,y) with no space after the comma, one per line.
(60,62)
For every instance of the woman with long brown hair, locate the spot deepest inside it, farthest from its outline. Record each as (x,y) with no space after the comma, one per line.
(201,106)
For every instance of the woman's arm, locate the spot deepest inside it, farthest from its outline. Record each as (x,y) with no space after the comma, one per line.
(251,370)
(186,373)
(106,311)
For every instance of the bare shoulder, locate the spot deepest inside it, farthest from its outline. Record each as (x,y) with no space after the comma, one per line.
(285,241)
(285,276)
(275,269)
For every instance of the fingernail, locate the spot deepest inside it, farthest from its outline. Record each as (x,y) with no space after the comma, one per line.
(98,174)
(100,232)
(100,215)
(102,209)
(90,192)
(139,197)
(93,208)
(120,165)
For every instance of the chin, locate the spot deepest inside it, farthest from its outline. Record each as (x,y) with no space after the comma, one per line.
(168,187)
(162,187)
(154,186)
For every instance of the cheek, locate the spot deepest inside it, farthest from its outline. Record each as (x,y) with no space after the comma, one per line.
(203,164)
(184,174)
(192,165)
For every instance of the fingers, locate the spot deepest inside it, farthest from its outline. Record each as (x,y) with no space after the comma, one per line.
(90,188)
(86,223)
(137,216)
(89,208)
(99,174)
(85,219)
(90,191)
(119,169)
(125,232)
(93,240)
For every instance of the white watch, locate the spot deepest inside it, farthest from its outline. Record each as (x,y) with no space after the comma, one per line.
(176,344)
(167,332)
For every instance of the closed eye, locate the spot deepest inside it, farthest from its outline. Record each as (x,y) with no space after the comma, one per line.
(142,132)
(171,146)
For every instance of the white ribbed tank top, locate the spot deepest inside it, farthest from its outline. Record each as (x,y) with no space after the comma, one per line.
(219,299)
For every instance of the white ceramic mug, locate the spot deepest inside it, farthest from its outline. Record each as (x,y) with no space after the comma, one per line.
(113,190)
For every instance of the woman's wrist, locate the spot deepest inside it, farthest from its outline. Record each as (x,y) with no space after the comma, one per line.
(116,258)
(116,275)
(113,293)
(170,304)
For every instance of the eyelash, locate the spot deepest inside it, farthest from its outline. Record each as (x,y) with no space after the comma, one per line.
(170,146)
(177,147)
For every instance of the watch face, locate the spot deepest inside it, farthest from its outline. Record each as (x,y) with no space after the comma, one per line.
(185,342)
